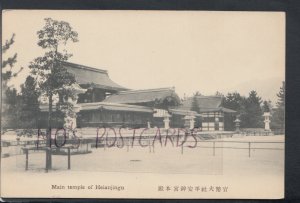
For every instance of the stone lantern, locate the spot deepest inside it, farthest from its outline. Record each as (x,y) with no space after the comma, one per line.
(70,122)
(237,122)
(189,121)
(167,121)
(267,121)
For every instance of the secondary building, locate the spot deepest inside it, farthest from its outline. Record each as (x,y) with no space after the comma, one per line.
(214,115)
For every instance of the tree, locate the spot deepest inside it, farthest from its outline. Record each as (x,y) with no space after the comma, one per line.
(7,74)
(281,97)
(219,94)
(195,107)
(8,63)
(53,79)
(235,102)
(197,93)
(253,112)
(266,106)
(11,111)
(29,104)
(278,117)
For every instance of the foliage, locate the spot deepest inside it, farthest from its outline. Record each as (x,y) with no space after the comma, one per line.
(11,109)
(281,96)
(8,63)
(278,117)
(9,96)
(235,102)
(29,104)
(253,113)
(53,79)
(23,109)
(195,106)
(219,94)
(248,108)
(266,106)
(197,93)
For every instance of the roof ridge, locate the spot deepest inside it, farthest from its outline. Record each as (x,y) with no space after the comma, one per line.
(204,96)
(79,66)
(146,90)
(114,104)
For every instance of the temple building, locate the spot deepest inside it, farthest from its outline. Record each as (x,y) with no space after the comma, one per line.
(97,83)
(103,103)
(214,116)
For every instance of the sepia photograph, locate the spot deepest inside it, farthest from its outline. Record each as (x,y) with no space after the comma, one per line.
(142,104)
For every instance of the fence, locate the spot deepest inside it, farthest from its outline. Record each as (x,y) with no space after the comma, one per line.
(148,142)
(249,145)
(214,144)
(261,132)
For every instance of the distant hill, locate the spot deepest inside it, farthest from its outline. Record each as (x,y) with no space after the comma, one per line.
(266,89)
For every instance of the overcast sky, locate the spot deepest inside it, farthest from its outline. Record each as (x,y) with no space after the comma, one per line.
(192,51)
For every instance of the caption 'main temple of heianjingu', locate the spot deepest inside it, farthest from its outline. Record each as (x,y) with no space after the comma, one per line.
(103,103)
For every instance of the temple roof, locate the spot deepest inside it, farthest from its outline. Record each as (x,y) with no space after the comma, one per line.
(206,104)
(184,112)
(142,96)
(114,107)
(92,77)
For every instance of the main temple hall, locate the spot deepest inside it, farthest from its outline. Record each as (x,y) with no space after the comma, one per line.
(104,103)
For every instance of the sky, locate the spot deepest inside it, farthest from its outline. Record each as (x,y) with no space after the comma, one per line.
(190,50)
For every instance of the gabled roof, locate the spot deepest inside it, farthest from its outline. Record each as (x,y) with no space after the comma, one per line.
(184,112)
(92,77)
(142,96)
(226,110)
(206,104)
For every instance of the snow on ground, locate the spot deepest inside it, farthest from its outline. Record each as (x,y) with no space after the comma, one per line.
(223,164)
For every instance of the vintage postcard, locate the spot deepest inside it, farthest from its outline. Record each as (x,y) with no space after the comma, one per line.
(142,104)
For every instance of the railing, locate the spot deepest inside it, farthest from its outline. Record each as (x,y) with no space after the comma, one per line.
(248,143)
(261,132)
(148,141)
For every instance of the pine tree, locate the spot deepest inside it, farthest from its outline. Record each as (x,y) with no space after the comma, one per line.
(197,93)
(219,94)
(195,106)
(235,102)
(8,63)
(8,73)
(53,78)
(266,107)
(10,118)
(253,113)
(278,117)
(281,97)
(29,104)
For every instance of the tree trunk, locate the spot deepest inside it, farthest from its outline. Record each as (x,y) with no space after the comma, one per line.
(48,152)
